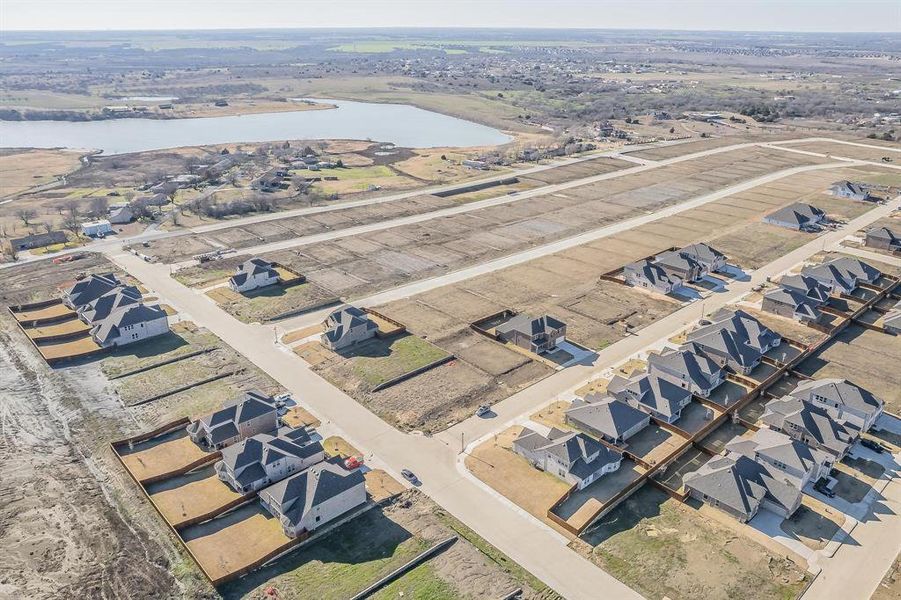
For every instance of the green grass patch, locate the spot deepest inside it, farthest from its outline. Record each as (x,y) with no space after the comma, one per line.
(382,360)
(421,582)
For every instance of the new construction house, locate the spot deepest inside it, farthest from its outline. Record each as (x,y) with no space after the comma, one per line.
(843,274)
(792,303)
(310,499)
(244,416)
(850,190)
(883,238)
(347,326)
(651,394)
(606,418)
(777,451)
(108,303)
(650,276)
(733,339)
(535,334)
(129,324)
(669,270)
(809,424)
(573,457)
(797,216)
(253,274)
(264,459)
(847,403)
(89,289)
(693,372)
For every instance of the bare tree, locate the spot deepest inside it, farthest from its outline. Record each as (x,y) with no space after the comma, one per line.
(26,215)
(71,222)
(99,206)
(47,226)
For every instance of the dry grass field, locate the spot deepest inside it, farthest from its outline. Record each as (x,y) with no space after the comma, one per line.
(161,455)
(846,150)
(21,170)
(190,496)
(270,302)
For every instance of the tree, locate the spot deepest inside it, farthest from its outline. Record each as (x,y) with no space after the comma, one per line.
(672,130)
(99,206)
(71,222)
(47,226)
(26,215)
(340,163)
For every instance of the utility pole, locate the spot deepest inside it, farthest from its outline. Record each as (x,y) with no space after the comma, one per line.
(462,445)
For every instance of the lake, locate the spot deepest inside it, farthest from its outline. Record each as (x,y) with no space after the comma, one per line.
(399,124)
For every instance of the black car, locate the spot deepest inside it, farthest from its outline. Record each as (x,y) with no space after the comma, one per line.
(820,486)
(874,446)
(409,475)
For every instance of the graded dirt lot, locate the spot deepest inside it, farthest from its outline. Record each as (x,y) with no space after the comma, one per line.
(272,301)
(351,557)
(688,147)
(650,535)
(189,496)
(846,150)
(161,455)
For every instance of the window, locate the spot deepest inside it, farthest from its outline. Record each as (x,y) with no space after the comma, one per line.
(318,518)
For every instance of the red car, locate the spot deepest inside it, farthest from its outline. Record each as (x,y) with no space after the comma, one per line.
(352,463)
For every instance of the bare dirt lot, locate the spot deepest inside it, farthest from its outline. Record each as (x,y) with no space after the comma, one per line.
(272,301)
(651,534)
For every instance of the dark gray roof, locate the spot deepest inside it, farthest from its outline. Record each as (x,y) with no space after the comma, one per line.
(742,484)
(39,240)
(607,415)
(797,300)
(342,320)
(798,213)
(264,448)
(812,288)
(252,268)
(652,272)
(831,275)
(884,233)
(745,330)
(856,268)
(815,421)
(303,491)
(650,390)
(703,253)
(92,287)
(698,368)
(530,326)
(677,260)
(114,299)
(131,314)
(778,447)
(244,407)
(840,391)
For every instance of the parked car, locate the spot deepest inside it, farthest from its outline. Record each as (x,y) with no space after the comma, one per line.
(482,410)
(409,476)
(874,446)
(352,463)
(821,487)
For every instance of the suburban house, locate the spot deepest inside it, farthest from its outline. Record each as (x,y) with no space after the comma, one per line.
(843,274)
(573,457)
(245,416)
(778,451)
(849,404)
(815,290)
(606,418)
(645,274)
(89,289)
(37,240)
(809,424)
(711,259)
(347,326)
(310,499)
(883,238)
(679,265)
(652,394)
(791,303)
(734,339)
(121,215)
(269,182)
(536,334)
(129,324)
(693,372)
(892,321)
(264,459)
(741,486)
(798,216)
(848,189)
(108,303)
(96,228)
(252,274)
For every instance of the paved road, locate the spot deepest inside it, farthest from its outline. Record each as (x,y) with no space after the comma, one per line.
(510,260)
(868,255)
(536,548)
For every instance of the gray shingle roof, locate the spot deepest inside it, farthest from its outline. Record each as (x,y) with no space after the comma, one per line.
(840,391)
(607,415)
(649,390)
(342,320)
(798,213)
(815,421)
(812,288)
(778,447)
(92,287)
(221,424)
(303,491)
(652,272)
(699,369)
(252,268)
(530,326)
(132,314)
(703,253)
(114,299)
(797,300)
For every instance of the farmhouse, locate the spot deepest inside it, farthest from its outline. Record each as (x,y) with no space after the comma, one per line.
(690,371)
(347,326)
(129,324)
(651,394)
(809,424)
(37,240)
(108,303)
(263,459)
(740,486)
(648,275)
(312,498)
(573,457)
(89,289)
(245,416)
(536,334)
(778,451)
(883,238)
(849,404)
(798,216)
(606,418)
(848,189)
(252,274)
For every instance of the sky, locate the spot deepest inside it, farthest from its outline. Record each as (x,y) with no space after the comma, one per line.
(734,15)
